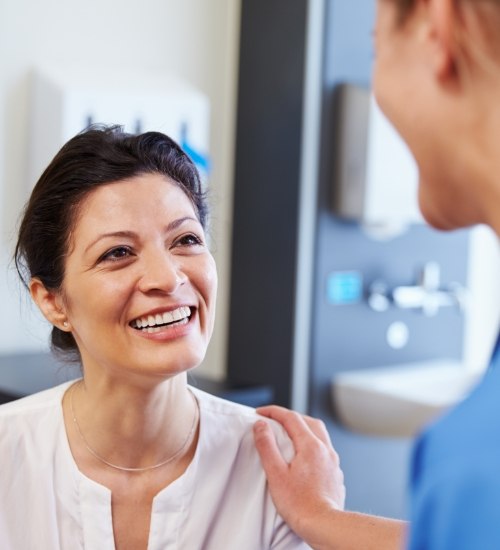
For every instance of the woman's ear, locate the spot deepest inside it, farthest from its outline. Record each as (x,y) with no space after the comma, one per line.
(443,18)
(50,304)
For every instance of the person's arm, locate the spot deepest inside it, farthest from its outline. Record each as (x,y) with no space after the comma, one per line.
(309,491)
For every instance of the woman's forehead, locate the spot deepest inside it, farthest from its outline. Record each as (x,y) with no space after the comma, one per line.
(132,202)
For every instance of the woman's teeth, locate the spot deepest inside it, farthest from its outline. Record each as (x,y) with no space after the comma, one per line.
(151,330)
(153,323)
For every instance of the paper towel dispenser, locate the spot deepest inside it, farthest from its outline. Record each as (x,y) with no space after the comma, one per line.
(375,178)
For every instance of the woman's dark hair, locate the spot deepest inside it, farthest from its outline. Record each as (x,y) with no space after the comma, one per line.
(95,157)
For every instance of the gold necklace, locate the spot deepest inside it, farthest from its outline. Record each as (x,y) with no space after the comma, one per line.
(123,468)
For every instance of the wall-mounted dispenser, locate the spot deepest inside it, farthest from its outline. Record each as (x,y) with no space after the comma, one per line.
(376,178)
(66,100)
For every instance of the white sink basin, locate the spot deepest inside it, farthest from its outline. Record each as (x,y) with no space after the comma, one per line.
(398,401)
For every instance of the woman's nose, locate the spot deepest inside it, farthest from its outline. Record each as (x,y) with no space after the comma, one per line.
(161,272)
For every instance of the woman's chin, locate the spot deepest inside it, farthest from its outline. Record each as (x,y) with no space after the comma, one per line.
(434,213)
(438,219)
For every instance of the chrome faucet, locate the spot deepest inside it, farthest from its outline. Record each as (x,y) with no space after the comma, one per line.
(426,295)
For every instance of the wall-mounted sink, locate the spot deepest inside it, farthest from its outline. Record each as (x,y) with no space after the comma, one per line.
(398,401)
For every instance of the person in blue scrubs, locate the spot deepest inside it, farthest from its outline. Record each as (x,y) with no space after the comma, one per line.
(456,474)
(437,78)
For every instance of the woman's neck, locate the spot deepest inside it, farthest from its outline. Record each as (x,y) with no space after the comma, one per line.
(131,426)
(474,156)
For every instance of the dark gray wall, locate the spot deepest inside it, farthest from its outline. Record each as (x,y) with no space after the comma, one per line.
(266,193)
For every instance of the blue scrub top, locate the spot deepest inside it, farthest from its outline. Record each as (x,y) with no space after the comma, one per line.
(455,482)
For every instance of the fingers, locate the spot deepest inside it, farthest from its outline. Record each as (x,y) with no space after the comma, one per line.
(318,427)
(296,425)
(270,455)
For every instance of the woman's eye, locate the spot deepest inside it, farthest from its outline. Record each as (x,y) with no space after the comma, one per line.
(188,240)
(116,253)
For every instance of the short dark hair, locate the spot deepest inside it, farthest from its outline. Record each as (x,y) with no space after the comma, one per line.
(97,156)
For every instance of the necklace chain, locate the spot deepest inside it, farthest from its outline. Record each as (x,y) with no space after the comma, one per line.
(123,468)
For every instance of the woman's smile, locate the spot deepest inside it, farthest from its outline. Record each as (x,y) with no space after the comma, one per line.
(166,325)
(157,319)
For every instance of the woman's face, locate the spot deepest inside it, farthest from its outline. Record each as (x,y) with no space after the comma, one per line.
(140,284)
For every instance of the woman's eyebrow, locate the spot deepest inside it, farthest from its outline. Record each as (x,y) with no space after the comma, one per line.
(126,234)
(131,234)
(176,223)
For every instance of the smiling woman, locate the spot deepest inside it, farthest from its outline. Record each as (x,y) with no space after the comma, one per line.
(112,248)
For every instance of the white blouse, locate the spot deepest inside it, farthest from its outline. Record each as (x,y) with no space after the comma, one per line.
(220,502)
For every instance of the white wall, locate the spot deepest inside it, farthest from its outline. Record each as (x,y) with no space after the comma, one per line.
(194,39)
(482,320)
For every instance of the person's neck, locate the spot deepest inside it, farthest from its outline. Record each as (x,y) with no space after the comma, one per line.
(133,425)
(485,179)
(475,146)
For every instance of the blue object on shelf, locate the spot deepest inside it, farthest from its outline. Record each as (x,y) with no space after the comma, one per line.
(344,287)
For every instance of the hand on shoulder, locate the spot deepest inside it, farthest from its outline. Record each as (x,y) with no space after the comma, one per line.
(312,483)
(309,491)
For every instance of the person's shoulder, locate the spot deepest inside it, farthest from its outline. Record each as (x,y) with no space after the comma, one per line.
(30,435)
(238,420)
(34,403)
(217,411)
(455,463)
(219,405)
(466,434)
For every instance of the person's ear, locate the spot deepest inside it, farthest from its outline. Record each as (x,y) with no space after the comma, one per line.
(443,18)
(50,304)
